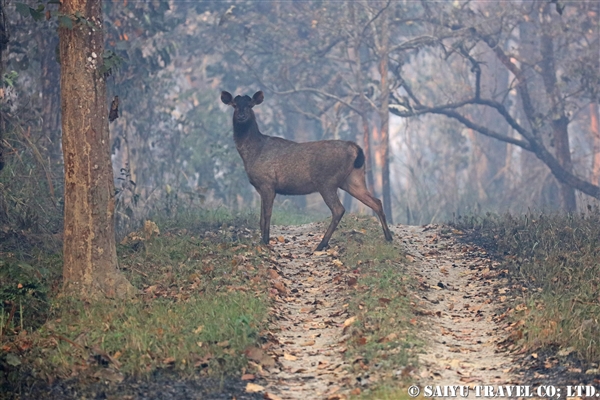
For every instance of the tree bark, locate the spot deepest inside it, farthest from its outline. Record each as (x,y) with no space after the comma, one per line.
(90,259)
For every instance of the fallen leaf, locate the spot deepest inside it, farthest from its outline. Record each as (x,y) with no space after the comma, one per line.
(280,287)
(198,329)
(107,374)
(248,377)
(289,357)
(308,343)
(271,396)
(349,321)
(254,388)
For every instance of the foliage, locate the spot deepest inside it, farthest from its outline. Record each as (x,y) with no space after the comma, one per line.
(553,260)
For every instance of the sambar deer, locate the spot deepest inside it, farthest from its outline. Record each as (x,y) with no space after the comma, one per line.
(279,166)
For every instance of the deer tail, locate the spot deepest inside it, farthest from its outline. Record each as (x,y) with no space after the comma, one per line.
(359,161)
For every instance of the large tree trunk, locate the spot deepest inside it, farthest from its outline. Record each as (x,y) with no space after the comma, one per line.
(90,259)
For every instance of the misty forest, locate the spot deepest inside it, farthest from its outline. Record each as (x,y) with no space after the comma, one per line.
(142,255)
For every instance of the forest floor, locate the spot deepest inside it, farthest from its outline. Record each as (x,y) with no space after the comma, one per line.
(363,319)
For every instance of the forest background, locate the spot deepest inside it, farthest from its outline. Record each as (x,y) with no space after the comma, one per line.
(461,106)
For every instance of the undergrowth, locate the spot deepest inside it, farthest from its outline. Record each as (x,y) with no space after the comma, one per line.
(554,262)
(201,305)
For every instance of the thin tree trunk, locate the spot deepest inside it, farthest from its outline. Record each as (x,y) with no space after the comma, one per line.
(3,47)
(384,116)
(560,122)
(50,92)
(90,259)
(355,56)
(595,131)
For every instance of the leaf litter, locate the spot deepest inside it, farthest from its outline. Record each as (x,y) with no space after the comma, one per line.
(459,301)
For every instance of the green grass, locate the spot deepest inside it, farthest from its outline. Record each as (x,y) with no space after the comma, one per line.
(201,333)
(382,339)
(202,302)
(554,263)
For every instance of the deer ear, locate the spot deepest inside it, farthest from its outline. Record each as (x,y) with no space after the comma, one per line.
(227,98)
(258,97)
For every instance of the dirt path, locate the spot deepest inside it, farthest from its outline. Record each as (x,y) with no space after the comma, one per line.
(456,300)
(307,318)
(460,295)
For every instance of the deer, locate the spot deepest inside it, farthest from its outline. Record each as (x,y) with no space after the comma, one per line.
(279,166)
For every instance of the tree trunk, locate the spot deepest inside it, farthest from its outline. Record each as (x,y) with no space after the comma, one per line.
(595,131)
(384,116)
(50,94)
(3,47)
(358,79)
(90,259)
(560,121)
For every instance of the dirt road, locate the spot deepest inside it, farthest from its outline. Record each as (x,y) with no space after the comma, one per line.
(456,302)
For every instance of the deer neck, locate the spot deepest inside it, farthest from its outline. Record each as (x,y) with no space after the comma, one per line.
(248,140)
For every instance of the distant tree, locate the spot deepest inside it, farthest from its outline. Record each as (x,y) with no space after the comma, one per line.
(90,260)
(556,79)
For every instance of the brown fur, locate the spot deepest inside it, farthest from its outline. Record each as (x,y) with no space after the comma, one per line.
(279,166)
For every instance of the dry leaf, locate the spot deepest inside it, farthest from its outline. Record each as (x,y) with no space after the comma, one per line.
(254,388)
(308,343)
(248,377)
(273,274)
(280,287)
(349,321)
(271,396)
(289,357)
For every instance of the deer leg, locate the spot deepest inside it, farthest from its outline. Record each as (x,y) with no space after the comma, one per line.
(356,186)
(267,197)
(337,211)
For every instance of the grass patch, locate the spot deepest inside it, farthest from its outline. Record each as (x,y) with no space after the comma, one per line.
(201,304)
(382,341)
(554,263)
